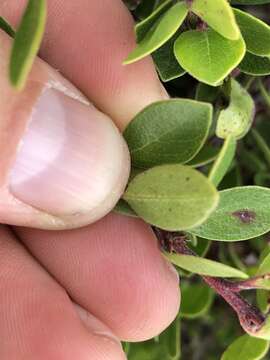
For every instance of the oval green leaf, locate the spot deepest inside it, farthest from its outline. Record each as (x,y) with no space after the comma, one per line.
(243,213)
(255,65)
(206,267)
(27,42)
(166,64)
(170,131)
(211,11)
(223,161)
(246,348)
(172,197)
(237,118)
(201,54)
(206,155)
(196,299)
(255,32)
(162,31)
(123,208)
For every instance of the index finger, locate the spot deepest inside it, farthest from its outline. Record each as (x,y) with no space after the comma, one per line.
(88,41)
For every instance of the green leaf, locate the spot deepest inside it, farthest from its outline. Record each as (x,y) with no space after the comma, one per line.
(223,161)
(206,155)
(255,65)
(27,42)
(161,32)
(4,25)
(170,131)
(246,348)
(206,93)
(237,118)
(243,213)
(212,11)
(173,197)
(123,208)
(166,63)
(196,299)
(250,2)
(201,54)
(143,27)
(202,247)
(255,32)
(170,340)
(203,266)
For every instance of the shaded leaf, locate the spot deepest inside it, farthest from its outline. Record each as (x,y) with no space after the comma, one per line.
(237,118)
(206,93)
(27,42)
(211,11)
(206,155)
(201,54)
(170,131)
(246,348)
(243,213)
(203,266)
(255,65)
(166,63)
(223,161)
(196,299)
(161,32)
(123,208)
(255,32)
(172,197)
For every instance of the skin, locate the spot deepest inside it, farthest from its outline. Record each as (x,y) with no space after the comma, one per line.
(74,294)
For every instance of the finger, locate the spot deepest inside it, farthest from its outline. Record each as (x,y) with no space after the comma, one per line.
(63,163)
(37,319)
(88,41)
(113,269)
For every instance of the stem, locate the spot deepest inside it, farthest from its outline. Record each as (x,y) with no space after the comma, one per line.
(264,92)
(251,319)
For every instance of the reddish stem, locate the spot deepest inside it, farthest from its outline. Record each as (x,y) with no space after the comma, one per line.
(249,316)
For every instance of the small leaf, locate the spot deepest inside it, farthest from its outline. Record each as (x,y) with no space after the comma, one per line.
(27,42)
(211,11)
(170,131)
(160,33)
(170,341)
(202,247)
(173,197)
(250,2)
(123,208)
(243,213)
(237,118)
(203,266)
(223,161)
(246,348)
(4,25)
(166,63)
(201,54)
(196,299)
(255,65)
(206,155)
(255,32)
(142,28)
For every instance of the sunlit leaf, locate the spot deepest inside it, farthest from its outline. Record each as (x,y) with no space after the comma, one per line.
(161,32)
(173,197)
(211,11)
(201,54)
(243,213)
(204,266)
(237,118)
(246,348)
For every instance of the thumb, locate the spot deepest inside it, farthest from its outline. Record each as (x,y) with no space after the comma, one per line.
(64,164)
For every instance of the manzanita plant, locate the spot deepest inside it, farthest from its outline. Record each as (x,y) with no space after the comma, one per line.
(200,165)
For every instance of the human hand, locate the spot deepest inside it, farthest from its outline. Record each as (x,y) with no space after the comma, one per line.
(73,294)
